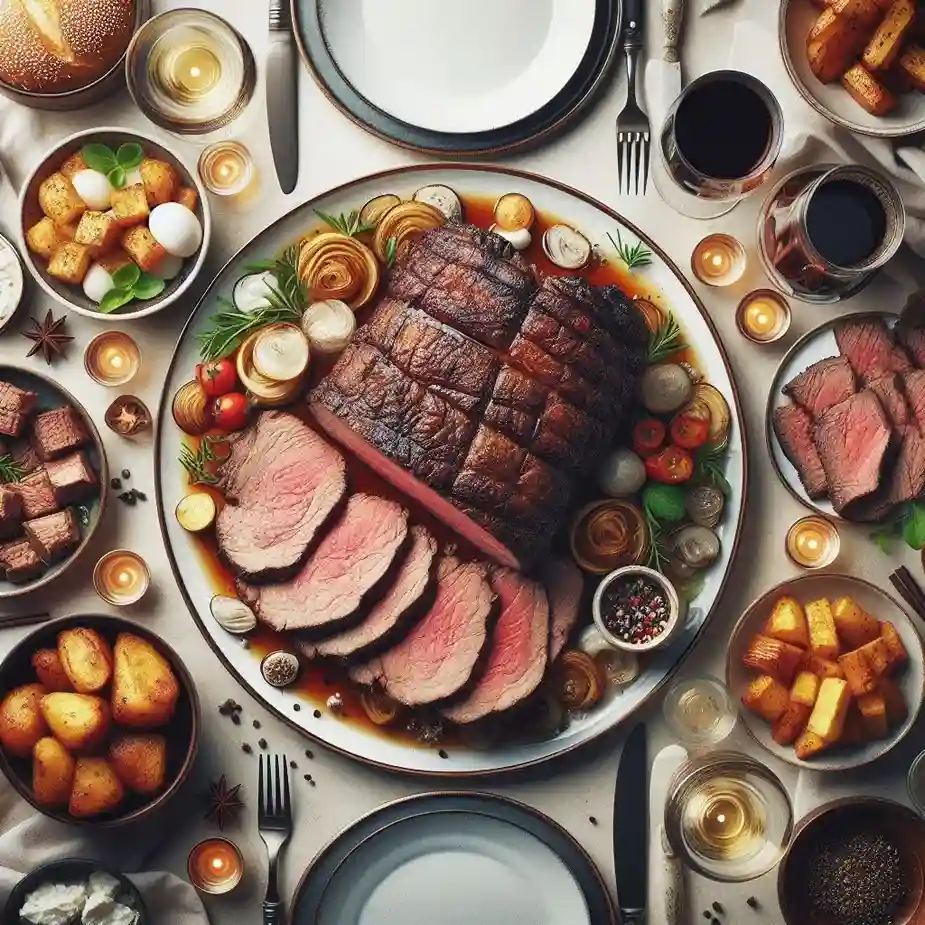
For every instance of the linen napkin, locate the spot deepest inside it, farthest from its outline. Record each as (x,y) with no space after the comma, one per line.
(28,840)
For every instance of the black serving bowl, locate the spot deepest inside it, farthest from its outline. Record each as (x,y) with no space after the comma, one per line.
(182,732)
(70,870)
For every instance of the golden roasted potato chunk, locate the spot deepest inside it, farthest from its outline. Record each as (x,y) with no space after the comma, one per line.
(188,197)
(50,671)
(828,717)
(43,237)
(59,200)
(773,657)
(74,164)
(854,732)
(788,623)
(97,231)
(912,65)
(887,41)
(859,674)
(790,724)
(809,744)
(144,688)
(80,722)
(873,715)
(160,181)
(823,640)
(86,657)
(878,656)
(864,14)
(805,689)
(855,627)
(70,262)
(114,260)
(21,720)
(52,772)
(822,667)
(140,761)
(767,697)
(96,790)
(894,645)
(896,709)
(130,205)
(824,27)
(143,247)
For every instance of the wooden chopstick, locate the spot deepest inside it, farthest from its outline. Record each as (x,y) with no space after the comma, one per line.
(26,619)
(910,590)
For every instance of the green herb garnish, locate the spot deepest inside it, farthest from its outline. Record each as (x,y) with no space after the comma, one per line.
(349,224)
(658,551)
(391,248)
(130,283)
(709,466)
(115,164)
(200,464)
(908,523)
(666,341)
(11,470)
(664,503)
(633,255)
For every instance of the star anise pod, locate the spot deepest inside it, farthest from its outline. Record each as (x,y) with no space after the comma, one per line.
(224,803)
(48,337)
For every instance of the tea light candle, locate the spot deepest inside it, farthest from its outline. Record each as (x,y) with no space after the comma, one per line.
(763,316)
(813,542)
(718,260)
(121,577)
(226,168)
(112,358)
(215,866)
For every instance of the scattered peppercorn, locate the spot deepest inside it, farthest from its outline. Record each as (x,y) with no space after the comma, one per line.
(127,498)
(309,753)
(140,495)
(230,707)
(126,474)
(751,902)
(718,908)
(116,484)
(292,764)
(236,719)
(707,914)
(592,820)
(308,777)
(262,743)
(311,783)
(715,921)
(443,754)
(296,707)
(256,724)
(316,714)
(246,748)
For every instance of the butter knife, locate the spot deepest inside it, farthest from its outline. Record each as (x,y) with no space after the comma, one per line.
(283,96)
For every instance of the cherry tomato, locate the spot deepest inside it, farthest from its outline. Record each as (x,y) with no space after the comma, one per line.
(689,431)
(648,436)
(671,466)
(230,412)
(217,377)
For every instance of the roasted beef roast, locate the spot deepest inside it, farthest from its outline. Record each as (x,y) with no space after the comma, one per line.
(564,584)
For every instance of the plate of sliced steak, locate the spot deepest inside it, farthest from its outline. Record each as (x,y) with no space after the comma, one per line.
(825,383)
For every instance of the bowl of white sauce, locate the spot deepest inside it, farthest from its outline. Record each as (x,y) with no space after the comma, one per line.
(12,282)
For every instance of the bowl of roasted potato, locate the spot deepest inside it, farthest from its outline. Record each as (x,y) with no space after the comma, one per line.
(828,670)
(113,223)
(99,720)
(860,63)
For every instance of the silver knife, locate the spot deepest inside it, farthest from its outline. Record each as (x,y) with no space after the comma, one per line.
(672,19)
(283,96)
(631,828)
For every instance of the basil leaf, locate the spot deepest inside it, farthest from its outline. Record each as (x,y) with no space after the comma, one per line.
(129,155)
(664,502)
(99,157)
(126,277)
(914,526)
(114,299)
(148,287)
(117,177)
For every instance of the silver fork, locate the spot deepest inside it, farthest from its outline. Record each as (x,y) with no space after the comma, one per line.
(632,123)
(274,821)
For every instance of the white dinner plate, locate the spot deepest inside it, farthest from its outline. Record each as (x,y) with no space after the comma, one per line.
(463,67)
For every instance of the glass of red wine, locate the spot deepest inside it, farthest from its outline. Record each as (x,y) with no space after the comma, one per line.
(720,141)
(825,230)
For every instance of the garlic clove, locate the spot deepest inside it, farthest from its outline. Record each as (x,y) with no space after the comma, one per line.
(232,614)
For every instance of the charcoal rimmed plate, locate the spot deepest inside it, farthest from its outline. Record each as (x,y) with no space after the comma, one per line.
(818,344)
(469,859)
(479,78)
(196,570)
(876,602)
(52,395)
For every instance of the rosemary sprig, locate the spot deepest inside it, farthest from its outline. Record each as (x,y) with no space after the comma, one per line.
(348,224)
(200,464)
(633,255)
(391,248)
(10,469)
(667,340)
(658,551)
(710,463)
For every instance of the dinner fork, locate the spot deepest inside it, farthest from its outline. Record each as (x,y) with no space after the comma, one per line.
(274,821)
(632,123)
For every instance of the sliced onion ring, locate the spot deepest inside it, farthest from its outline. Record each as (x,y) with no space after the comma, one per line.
(334,266)
(579,681)
(706,395)
(371,213)
(404,223)
(567,248)
(443,199)
(191,409)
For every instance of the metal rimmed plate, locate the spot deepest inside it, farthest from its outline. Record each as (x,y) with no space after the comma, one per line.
(477,78)
(832,100)
(196,574)
(813,346)
(876,602)
(457,859)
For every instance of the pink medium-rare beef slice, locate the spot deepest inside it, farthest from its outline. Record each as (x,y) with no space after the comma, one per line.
(411,587)
(283,483)
(908,478)
(889,391)
(822,385)
(564,584)
(518,649)
(349,563)
(910,331)
(870,348)
(914,387)
(438,657)
(794,429)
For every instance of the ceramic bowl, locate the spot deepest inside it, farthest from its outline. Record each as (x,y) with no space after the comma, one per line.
(900,825)
(876,602)
(67,871)
(72,297)
(671,595)
(182,732)
(796,18)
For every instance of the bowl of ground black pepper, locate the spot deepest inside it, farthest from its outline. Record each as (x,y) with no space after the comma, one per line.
(855,861)
(636,609)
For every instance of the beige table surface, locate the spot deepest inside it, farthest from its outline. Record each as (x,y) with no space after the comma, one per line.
(333,151)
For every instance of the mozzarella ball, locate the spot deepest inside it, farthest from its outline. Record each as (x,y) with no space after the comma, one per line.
(97,283)
(93,188)
(169,267)
(176,229)
(520,239)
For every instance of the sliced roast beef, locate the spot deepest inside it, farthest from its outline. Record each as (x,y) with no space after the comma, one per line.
(348,565)
(914,387)
(519,649)
(282,483)
(889,390)
(564,585)
(410,590)
(908,481)
(439,656)
(911,334)
(853,438)
(822,385)
(794,429)
(869,346)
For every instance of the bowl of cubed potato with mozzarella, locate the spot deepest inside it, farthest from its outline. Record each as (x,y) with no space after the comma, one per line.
(99,720)
(828,671)
(860,63)
(112,223)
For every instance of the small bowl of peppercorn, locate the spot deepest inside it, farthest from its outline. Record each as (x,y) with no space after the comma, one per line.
(636,609)
(855,861)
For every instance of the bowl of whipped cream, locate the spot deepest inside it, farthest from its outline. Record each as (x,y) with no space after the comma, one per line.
(74,892)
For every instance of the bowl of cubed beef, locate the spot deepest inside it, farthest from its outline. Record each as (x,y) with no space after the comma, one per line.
(113,223)
(53,475)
